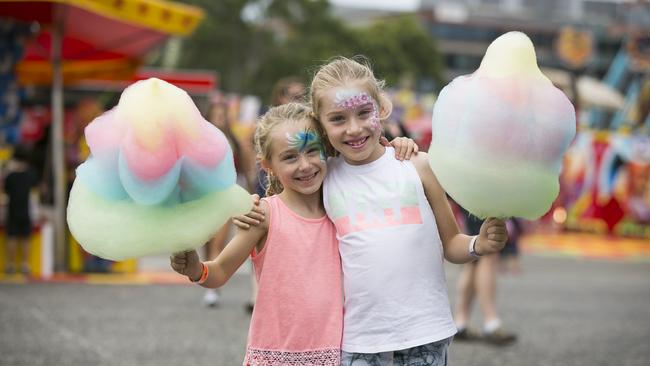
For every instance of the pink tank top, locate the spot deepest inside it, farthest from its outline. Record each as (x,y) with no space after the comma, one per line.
(298,316)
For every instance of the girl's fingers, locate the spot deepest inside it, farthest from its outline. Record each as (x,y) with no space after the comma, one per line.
(244,218)
(498,238)
(255,216)
(179,261)
(489,220)
(240,224)
(408,150)
(402,149)
(250,221)
(497,230)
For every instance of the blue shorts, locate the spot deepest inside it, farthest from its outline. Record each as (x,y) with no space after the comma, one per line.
(431,354)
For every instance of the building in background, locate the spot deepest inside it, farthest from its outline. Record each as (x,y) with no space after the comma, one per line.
(465,28)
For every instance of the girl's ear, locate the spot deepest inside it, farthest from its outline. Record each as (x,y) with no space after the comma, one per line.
(265,165)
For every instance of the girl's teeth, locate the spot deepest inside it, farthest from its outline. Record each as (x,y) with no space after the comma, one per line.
(307,178)
(356,143)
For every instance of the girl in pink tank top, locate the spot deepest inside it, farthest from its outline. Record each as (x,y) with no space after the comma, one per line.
(298,316)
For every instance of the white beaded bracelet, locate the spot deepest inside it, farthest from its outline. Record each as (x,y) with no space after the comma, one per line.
(472,247)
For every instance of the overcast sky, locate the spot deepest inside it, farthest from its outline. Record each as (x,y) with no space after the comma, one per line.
(380,4)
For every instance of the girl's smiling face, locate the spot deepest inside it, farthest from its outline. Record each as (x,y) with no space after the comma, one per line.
(297,157)
(350,117)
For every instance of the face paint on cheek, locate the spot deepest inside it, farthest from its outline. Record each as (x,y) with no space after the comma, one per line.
(304,140)
(374,117)
(352,99)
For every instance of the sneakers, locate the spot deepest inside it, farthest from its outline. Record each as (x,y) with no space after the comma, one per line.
(467,335)
(499,337)
(211,298)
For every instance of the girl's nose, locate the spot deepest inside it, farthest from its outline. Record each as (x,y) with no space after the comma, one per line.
(303,162)
(354,127)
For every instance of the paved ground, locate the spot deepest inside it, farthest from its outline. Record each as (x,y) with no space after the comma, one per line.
(567,311)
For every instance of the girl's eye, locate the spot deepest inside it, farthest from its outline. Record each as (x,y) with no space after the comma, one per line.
(313,150)
(337,119)
(289,157)
(364,112)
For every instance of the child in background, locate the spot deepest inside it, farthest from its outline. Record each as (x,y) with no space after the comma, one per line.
(298,316)
(244,164)
(394,226)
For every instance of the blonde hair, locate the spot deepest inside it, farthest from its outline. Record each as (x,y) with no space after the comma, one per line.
(341,71)
(290,112)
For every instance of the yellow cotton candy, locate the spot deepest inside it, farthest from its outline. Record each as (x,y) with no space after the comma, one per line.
(153,108)
(511,55)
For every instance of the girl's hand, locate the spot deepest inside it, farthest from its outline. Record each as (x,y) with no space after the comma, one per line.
(187,263)
(492,237)
(253,218)
(404,147)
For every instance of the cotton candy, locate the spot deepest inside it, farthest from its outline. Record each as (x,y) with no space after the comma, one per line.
(499,134)
(159,179)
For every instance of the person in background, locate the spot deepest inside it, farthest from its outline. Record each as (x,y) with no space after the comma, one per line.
(478,279)
(290,89)
(285,90)
(18,183)
(218,115)
(510,253)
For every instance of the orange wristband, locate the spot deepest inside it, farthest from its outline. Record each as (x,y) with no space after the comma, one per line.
(204,274)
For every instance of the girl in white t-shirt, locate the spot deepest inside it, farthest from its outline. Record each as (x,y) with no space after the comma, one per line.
(394,226)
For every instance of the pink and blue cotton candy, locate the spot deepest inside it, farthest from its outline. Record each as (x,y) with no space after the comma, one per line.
(499,134)
(159,179)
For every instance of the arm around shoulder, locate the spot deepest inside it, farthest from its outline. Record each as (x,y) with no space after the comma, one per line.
(236,251)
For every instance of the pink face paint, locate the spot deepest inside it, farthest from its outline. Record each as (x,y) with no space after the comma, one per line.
(353,99)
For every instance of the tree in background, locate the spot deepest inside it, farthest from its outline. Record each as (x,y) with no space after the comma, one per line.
(399,47)
(253,43)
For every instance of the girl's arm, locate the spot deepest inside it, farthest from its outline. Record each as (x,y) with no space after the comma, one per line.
(456,245)
(228,261)
(404,147)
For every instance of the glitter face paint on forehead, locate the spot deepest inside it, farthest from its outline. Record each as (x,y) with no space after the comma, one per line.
(303,140)
(352,99)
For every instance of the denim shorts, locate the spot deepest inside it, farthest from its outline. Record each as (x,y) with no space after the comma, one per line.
(431,354)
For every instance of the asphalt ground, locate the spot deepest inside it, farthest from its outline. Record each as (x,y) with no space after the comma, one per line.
(566,311)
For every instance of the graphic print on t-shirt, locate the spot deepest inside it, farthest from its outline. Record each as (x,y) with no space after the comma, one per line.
(385,204)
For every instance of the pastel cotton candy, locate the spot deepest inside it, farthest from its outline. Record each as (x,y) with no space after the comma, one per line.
(159,179)
(499,134)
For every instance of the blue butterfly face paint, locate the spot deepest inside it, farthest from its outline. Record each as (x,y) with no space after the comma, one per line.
(305,140)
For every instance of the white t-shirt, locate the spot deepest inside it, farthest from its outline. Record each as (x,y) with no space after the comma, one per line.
(393,275)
